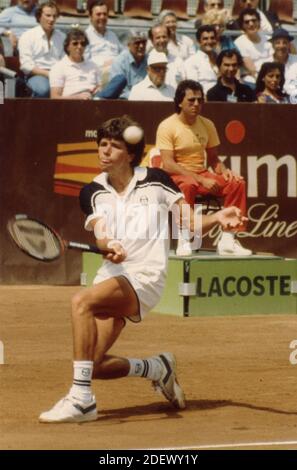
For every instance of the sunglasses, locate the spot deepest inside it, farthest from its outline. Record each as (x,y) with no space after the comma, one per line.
(254,20)
(76,43)
(140,43)
(192,100)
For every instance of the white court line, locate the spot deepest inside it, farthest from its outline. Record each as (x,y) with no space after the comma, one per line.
(231,446)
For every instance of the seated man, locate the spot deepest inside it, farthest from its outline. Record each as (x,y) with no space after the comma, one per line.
(73,77)
(130,65)
(228,88)
(104,45)
(183,139)
(40,48)
(202,65)
(154,87)
(20,18)
(253,45)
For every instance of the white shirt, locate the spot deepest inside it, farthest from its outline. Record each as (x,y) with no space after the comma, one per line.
(265,24)
(36,51)
(258,52)
(143,230)
(102,47)
(199,68)
(74,77)
(147,91)
(184,48)
(175,70)
(290,85)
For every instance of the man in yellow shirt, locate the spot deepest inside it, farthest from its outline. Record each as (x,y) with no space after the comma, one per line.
(186,140)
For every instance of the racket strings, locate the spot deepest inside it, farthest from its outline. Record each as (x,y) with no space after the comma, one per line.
(36,239)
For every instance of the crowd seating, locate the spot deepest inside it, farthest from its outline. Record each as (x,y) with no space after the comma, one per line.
(284,10)
(137,9)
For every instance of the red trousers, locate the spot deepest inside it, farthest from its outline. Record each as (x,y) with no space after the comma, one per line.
(233,192)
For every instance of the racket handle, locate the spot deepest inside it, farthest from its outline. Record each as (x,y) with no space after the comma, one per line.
(85,247)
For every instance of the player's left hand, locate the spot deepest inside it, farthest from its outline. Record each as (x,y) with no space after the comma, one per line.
(230,217)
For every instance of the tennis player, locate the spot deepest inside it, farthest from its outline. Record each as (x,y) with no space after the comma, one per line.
(120,206)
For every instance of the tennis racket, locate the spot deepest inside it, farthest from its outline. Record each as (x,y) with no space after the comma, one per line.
(40,241)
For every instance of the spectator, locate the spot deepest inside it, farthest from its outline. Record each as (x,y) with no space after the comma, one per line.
(252,45)
(159,37)
(213,4)
(228,88)
(184,139)
(202,65)
(270,82)
(129,66)
(179,45)
(21,17)
(219,19)
(40,48)
(153,87)
(268,20)
(73,77)
(104,45)
(281,42)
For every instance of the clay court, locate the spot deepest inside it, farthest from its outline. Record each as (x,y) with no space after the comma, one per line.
(239,383)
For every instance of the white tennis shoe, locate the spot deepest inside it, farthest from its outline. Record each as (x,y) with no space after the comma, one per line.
(70,410)
(232,248)
(168,384)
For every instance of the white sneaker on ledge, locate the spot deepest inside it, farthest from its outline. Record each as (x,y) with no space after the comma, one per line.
(183,247)
(232,248)
(70,410)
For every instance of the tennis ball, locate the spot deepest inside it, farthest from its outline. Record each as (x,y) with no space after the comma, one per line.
(133,134)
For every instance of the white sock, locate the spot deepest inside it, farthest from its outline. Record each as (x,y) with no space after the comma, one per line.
(82,376)
(227,237)
(149,368)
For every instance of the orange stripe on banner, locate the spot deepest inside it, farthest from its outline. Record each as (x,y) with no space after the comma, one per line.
(90,145)
(81,159)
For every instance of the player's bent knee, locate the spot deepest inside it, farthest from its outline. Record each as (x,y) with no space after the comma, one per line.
(80,304)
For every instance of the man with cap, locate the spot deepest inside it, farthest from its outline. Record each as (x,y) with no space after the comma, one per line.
(129,68)
(281,43)
(153,87)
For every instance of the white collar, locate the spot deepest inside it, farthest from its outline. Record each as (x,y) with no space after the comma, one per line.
(139,175)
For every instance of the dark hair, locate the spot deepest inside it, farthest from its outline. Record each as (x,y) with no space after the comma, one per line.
(264,70)
(181,89)
(206,28)
(157,25)
(114,129)
(96,3)
(40,8)
(73,34)
(247,11)
(229,53)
